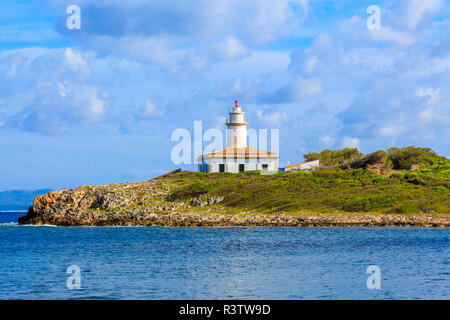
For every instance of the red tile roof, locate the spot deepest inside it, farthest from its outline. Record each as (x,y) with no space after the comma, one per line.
(241,152)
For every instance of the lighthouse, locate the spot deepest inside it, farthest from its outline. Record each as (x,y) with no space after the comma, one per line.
(236,127)
(237,156)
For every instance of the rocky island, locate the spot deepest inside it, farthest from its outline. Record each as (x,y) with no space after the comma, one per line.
(342,195)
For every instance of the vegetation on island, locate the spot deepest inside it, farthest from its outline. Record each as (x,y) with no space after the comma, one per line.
(408,186)
(348,182)
(395,158)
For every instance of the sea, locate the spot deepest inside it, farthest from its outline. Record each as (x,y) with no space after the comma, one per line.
(48,262)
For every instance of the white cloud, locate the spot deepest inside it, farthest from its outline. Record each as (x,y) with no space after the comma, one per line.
(391,130)
(16,63)
(427,115)
(416,10)
(61,89)
(433,66)
(432,94)
(274,118)
(237,86)
(74,61)
(297,89)
(309,87)
(229,49)
(310,65)
(348,142)
(387,34)
(50,92)
(327,141)
(219,122)
(151,110)
(97,108)
(303,63)
(378,81)
(179,32)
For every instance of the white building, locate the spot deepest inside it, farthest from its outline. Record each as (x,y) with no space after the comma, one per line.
(304,166)
(237,156)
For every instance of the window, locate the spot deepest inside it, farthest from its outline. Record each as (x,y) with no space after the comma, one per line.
(221,167)
(264,166)
(241,167)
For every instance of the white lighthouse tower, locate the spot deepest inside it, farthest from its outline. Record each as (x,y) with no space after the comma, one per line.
(237,128)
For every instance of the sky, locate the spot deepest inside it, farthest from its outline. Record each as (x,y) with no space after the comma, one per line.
(99,104)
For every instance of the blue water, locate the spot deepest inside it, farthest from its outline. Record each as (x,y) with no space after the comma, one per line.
(222,263)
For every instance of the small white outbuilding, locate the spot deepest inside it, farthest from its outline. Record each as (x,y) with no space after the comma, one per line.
(303,166)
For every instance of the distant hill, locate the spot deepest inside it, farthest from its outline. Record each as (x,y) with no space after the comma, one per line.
(19,199)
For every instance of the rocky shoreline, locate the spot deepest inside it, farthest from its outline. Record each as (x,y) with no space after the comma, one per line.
(148,204)
(217,220)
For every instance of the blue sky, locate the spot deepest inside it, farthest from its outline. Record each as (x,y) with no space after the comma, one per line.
(98,105)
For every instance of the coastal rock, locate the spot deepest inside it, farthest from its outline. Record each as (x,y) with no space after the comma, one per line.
(204,201)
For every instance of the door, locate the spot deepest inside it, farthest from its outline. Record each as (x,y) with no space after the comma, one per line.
(221,167)
(241,167)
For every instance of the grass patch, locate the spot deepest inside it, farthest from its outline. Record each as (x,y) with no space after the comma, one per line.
(336,190)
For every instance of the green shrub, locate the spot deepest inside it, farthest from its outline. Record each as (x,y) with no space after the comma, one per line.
(404,158)
(252,173)
(334,157)
(413,177)
(438,175)
(311,156)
